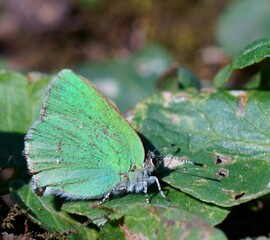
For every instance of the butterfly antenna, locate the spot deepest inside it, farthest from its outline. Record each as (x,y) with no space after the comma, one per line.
(170,145)
(6,165)
(193,163)
(180,159)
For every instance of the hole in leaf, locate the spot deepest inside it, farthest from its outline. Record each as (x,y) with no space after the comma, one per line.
(222,173)
(239,195)
(220,159)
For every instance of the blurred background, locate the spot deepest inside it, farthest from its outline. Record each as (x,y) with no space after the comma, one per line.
(125,46)
(46,35)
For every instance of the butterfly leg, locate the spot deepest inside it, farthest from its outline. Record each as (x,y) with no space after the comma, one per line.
(106,197)
(115,191)
(145,191)
(155,179)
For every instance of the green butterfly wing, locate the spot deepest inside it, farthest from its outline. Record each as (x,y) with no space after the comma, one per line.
(81,147)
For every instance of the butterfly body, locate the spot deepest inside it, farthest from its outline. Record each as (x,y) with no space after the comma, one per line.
(138,181)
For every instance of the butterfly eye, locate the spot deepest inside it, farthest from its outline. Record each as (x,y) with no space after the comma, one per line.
(157,160)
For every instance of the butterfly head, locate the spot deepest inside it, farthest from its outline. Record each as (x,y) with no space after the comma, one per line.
(153,160)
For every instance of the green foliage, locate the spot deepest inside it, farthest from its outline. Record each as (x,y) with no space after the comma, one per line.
(20,101)
(251,54)
(231,125)
(177,78)
(52,213)
(175,199)
(225,129)
(45,212)
(159,222)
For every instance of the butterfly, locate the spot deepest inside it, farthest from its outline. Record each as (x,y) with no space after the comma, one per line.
(83,148)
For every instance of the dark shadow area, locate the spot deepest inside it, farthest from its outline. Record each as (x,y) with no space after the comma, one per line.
(20,222)
(251,219)
(58,202)
(148,146)
(11,147)
(16,185)
(12,162)
(86,222)
(164,171)
(199,175)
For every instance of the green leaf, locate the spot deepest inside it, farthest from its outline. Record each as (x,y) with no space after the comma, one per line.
(175,198)
(188,79)
(253,53)
(223,76)
(45,212)
(176,78)
(145,221)
(229,126)
(139,216)
(20,101)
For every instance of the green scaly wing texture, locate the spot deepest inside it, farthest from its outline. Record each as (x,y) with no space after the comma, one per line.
(81,144)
